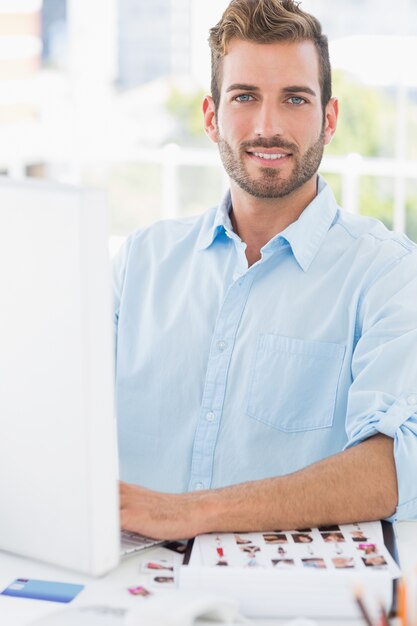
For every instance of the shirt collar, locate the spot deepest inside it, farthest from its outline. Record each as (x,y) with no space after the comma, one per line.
(212,228)
(305,235)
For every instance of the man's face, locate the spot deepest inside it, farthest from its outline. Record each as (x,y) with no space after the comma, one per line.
(269,125)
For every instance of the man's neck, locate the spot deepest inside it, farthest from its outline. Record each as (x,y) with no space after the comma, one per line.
(258,220)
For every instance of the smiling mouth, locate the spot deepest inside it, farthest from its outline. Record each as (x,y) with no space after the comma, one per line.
(268,156)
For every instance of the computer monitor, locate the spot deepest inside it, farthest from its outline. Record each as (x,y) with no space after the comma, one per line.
(58,449)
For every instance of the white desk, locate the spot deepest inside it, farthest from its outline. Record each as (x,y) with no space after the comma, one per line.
(112,588)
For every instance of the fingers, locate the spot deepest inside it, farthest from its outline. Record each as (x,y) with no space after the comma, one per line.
(126,490)
(129,488)
(123,520)
(123,487)
(127,494)
(130,494)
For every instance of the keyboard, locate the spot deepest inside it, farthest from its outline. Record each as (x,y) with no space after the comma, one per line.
(132,542)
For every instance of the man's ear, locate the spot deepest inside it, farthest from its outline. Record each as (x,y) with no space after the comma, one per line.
(210,123)
(330,119)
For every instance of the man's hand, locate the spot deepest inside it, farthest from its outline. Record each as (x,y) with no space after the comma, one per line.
(159,515)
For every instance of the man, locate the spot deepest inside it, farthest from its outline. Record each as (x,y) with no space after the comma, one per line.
(266,365)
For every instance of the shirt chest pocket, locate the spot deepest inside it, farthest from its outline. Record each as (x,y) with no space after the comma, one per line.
(294,382)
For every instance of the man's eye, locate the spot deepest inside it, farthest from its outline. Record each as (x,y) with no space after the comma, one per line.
(244,97)
(297,100)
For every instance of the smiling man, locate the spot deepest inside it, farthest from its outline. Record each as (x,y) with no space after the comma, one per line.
(266,369)
(271,130)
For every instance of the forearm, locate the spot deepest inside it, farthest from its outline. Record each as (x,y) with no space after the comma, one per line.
(357,484)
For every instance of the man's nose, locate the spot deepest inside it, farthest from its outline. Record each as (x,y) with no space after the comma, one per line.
(268,121)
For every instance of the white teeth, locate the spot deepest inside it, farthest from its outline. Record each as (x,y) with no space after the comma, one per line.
(270,157)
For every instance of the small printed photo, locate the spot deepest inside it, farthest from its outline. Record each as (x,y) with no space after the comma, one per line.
(139,591)
(167,581)
(368,548)
(315,563)
(374,561)
(281,550)
(343,562)
(283,563)
(242,540)
(335,537)
(275,538)
(253,562)
(150,566)
(302,538)
(303,530)
(357,535)
(329,529)
(250,549)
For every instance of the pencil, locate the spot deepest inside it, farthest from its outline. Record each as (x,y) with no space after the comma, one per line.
(359,601)
(402,602)
(414,597)
(383,616)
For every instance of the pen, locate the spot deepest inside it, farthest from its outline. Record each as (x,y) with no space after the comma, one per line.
(359,601)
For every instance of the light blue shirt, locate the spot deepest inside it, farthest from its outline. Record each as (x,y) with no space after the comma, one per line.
(227,373)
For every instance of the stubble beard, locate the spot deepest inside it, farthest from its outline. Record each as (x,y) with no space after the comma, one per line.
(270,183)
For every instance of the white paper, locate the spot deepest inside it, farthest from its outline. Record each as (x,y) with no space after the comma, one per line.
(293,573)
(334,550)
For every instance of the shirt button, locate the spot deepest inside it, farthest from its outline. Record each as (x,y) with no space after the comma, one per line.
(198,486)
(210,417)
(412,399)
(222,345)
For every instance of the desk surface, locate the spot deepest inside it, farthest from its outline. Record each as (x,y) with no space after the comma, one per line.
(113,587)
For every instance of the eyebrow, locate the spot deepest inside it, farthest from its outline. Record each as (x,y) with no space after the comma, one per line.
(289,89)
(242,87)
(298,89)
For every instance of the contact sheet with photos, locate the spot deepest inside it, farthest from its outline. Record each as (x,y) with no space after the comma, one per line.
(354,547)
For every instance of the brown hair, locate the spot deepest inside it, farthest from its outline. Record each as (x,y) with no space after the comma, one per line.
(267,21)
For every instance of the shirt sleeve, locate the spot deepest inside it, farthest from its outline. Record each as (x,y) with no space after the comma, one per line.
(383,394)
(119,265)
